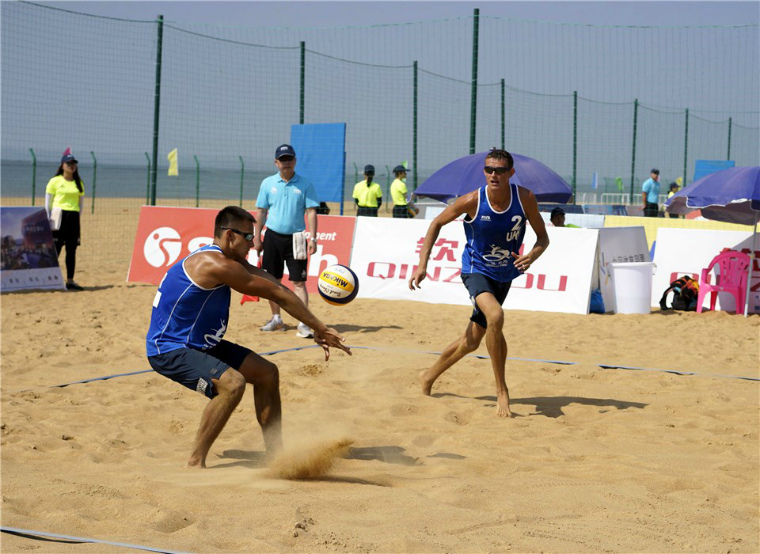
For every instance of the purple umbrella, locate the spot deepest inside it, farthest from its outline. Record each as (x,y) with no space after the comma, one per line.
(731,195)
(466,174)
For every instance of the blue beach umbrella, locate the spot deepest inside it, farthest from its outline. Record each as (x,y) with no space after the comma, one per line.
(466,174)
(731,195)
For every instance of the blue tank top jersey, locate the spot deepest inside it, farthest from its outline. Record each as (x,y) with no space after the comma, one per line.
(492,237)
(186,315)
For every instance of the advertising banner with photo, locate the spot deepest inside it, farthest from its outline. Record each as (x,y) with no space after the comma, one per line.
(682,252)
(617,245)
(165,235)
(29,260)
(386,253)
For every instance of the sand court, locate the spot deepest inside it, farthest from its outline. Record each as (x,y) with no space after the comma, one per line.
(594,460)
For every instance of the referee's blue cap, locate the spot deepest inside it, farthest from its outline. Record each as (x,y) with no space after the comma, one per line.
(284,150)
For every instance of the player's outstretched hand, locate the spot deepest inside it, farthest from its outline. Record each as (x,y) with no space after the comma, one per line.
(523,262)
(330,337)
(417,277)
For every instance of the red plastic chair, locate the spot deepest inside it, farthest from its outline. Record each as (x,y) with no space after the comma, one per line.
(731,278)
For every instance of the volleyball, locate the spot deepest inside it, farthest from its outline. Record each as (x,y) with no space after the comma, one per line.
(338,285)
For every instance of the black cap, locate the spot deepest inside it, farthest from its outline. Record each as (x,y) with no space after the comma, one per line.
(655,171)
(369,168)
(284,150)
(557,211)
(399,169)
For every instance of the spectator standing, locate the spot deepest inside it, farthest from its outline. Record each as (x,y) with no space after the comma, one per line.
(64,198)
(557,218)
(283,200)
(650,194)
(402,207)
(368,195)
(672,192)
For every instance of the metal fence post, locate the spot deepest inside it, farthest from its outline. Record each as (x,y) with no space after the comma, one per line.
(575,142)
(147,184)
(633,148)
(34,175)
(156,108)
(197,181)
(414,130)
(242,179)
(94,179)
(474,89)
(685,146)
(503,116)
(303,79)
(387,187)
(728,155)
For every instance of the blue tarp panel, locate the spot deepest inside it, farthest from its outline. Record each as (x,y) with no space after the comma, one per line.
(321,152)
(705,167)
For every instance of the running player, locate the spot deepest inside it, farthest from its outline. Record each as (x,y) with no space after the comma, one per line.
(494,225)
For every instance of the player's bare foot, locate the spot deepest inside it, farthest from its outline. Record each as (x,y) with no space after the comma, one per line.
(502,404)
(196,463)
(427,384)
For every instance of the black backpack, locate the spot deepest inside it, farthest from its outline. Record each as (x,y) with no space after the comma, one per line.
(685,293)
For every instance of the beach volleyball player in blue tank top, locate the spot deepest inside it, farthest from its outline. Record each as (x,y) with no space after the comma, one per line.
(495,216)
(190,316)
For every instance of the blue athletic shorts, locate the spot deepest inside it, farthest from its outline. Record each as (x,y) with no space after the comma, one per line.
(195,369)
(476,284)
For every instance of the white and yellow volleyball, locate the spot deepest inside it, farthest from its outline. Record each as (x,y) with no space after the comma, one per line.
(338,285)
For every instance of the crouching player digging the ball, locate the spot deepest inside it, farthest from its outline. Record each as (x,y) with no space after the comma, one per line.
(494,225)
(190,316)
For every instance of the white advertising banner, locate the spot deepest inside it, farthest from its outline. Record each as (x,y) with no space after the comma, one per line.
(682,252)
(386,253)
(618,245)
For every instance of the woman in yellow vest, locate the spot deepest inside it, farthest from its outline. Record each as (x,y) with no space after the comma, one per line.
(64,196)
(368,196)
(402,208)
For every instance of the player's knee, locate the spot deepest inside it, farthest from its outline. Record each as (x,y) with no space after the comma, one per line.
(470,342)
(495,318)
(232,383)
(270,375)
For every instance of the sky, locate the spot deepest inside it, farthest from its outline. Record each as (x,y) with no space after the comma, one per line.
(330,14)
(229,87)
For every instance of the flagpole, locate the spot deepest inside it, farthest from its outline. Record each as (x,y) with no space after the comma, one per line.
(751,265)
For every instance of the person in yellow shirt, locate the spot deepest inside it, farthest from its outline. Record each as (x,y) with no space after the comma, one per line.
(402,208)
(64,197)
(368,195)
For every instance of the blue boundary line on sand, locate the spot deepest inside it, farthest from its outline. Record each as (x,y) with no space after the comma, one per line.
(478,356)
(603,366)
(39,535)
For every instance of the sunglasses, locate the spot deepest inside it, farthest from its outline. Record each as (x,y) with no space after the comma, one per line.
(246,236)
(498,170)
(286,158)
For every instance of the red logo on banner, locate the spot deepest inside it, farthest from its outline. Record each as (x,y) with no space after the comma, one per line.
(166,235)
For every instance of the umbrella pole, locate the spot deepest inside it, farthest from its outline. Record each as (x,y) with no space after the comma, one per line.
(751,265)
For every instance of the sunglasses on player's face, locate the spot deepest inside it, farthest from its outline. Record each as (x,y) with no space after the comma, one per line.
(498,170)
(246,236)
(286,158)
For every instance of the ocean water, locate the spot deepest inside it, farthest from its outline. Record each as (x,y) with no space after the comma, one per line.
(17,179)
(129,181)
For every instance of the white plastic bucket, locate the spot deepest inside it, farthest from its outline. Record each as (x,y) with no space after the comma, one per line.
(633,287)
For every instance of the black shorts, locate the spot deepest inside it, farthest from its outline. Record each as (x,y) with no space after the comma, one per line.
(476,284)
(401,212)
(195,369)
(367,212)
(652,209)
(278,250)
